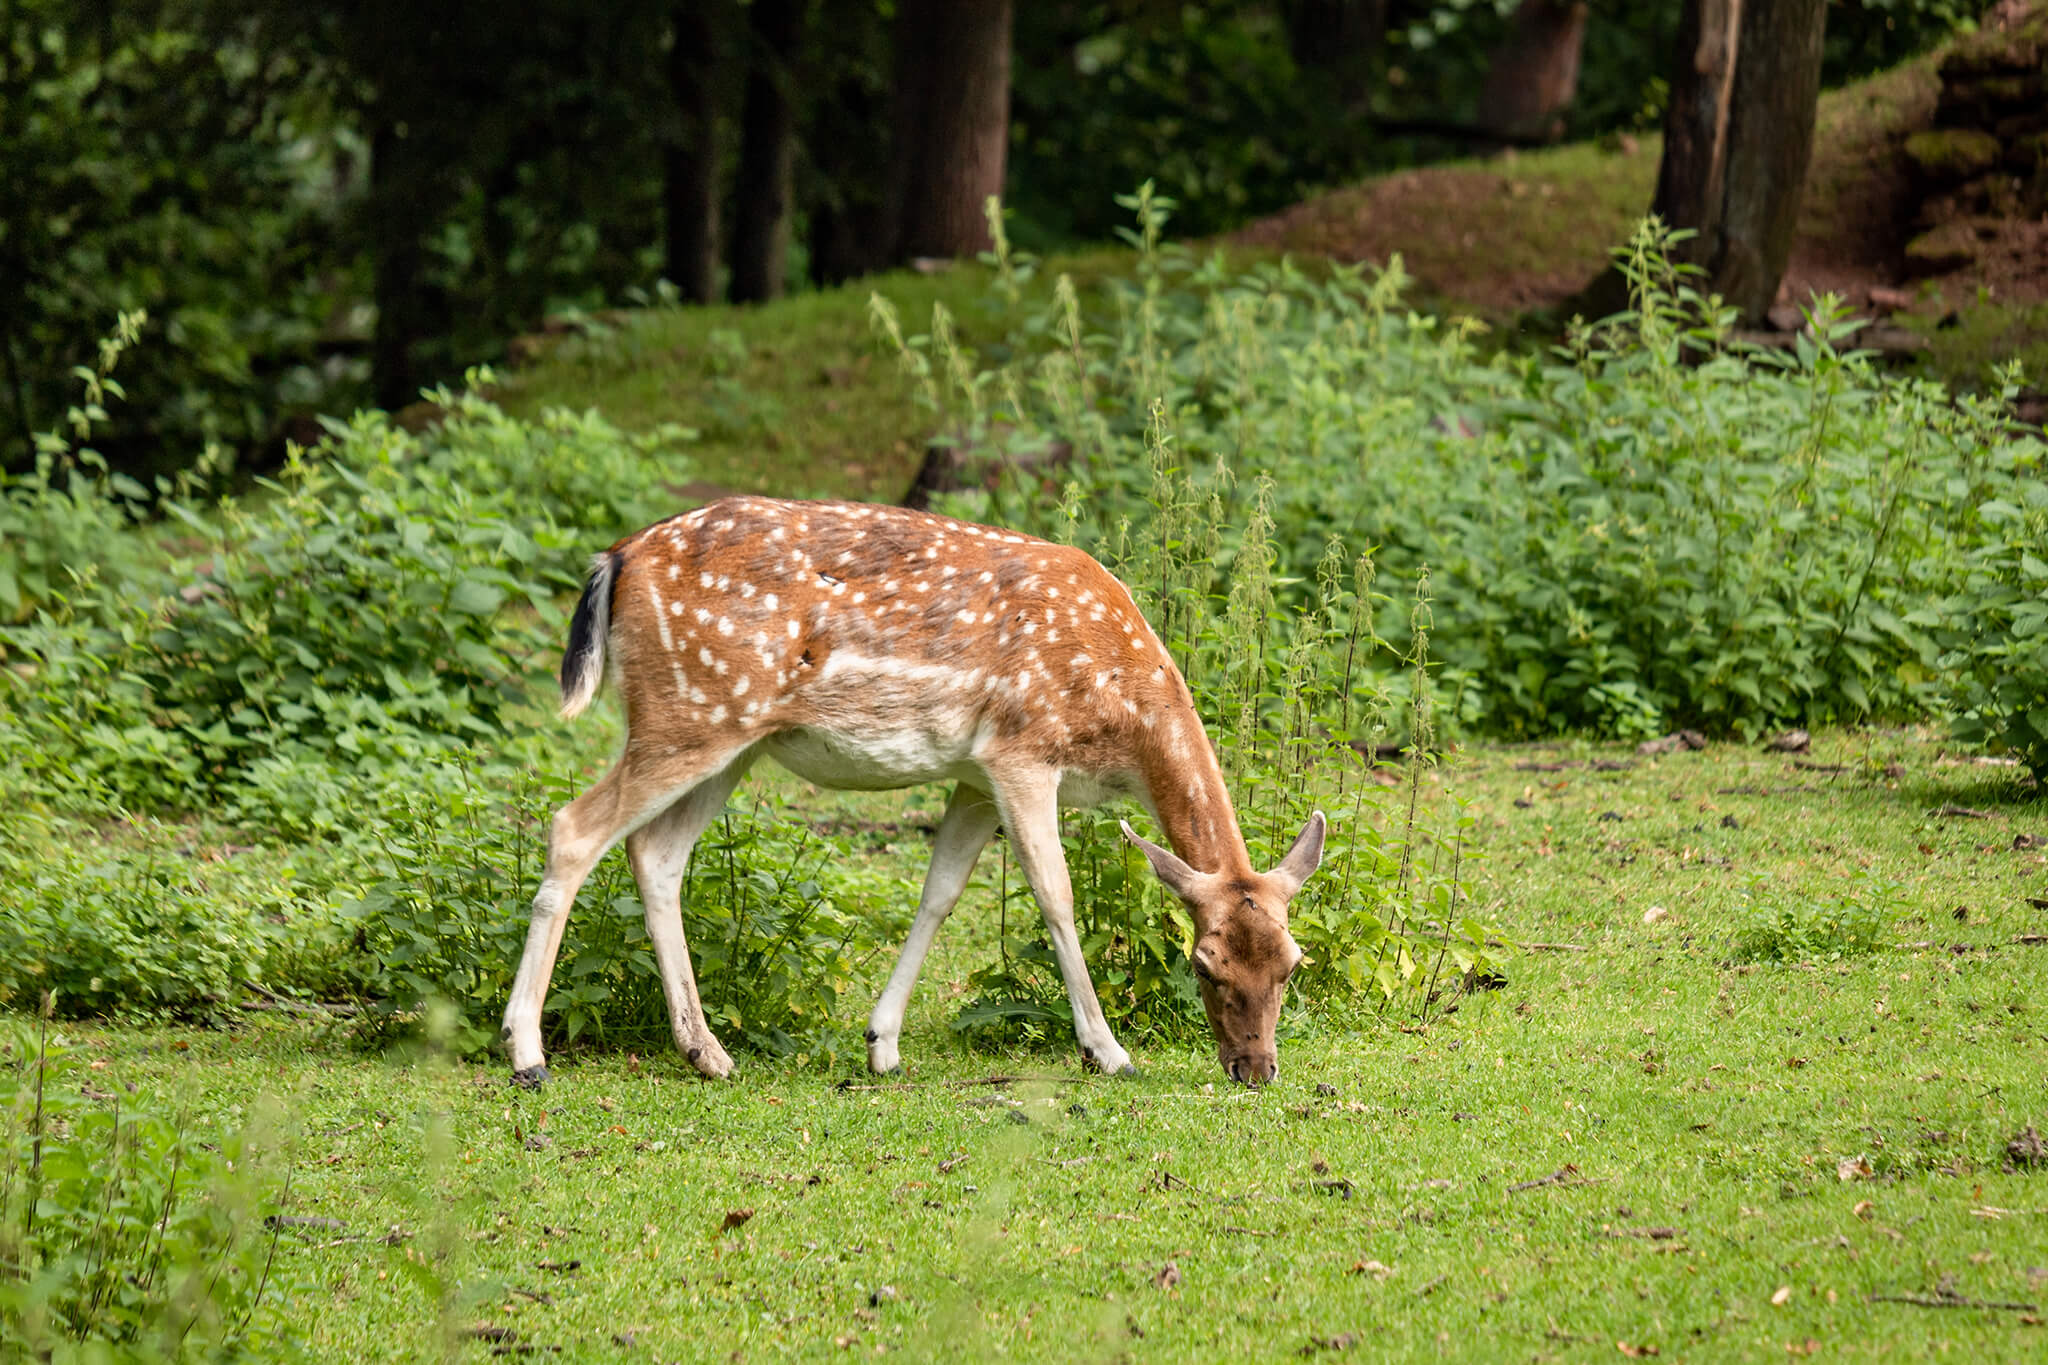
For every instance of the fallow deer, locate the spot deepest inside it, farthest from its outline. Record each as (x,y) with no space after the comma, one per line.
(871,648)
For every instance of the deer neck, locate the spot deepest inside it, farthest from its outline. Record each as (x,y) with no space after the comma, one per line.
(1189,798)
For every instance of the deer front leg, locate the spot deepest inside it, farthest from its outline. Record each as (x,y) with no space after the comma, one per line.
(1030,809)
(659,852)
(963,832)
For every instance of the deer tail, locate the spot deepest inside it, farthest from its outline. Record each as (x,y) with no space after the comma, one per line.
(589,630)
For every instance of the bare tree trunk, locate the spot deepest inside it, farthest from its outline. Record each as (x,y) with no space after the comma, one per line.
(1337,39)
(1744,92)
(1533,75)
(1772,108)
(952,122)
(760,237)
(690,160)
(400,194)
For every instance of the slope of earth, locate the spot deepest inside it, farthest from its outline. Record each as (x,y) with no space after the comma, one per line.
(1522,232)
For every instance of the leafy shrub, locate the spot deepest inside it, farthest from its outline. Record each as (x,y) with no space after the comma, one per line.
(122,1237)
(381,603)
(1993,629)
(1295,717)
(1654,525)
(1776,926)
(90,916)
(777,929)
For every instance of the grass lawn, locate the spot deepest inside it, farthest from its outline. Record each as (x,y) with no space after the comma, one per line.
(1641,1145)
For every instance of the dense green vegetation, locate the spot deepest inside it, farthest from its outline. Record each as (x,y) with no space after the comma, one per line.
(299,738)
(314,212)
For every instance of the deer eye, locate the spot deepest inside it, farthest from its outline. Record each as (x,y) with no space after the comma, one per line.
(1201,966)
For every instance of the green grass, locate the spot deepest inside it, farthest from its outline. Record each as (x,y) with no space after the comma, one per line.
(1674,1088)
(795,398)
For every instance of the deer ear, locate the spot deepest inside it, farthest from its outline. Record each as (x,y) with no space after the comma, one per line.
(1304,857)
(1180,879)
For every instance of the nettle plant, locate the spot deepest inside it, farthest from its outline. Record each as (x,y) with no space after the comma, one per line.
(1299,692)
(123,1235)
(1653,524)
(780,923)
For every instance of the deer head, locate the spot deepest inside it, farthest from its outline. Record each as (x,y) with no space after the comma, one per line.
(1243,954)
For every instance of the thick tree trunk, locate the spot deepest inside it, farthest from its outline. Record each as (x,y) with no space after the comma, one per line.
(760,231)
(847,148)
(690,160)
(1770,141)
(1744,91)
(1337,40)
(1534,74)
(399,194)
(952,122)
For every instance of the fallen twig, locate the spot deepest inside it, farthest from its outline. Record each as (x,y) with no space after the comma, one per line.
(1539,947)
(849,1084)
(1247,1232)
(1948,1298)
(1960,812)
(1567,1174)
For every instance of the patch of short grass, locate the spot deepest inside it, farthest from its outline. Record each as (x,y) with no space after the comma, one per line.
(793,398)
(1686,1117)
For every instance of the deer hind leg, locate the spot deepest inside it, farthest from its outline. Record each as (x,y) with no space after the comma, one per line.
(1030,808)
(963,832)
(580,834)
(660,854)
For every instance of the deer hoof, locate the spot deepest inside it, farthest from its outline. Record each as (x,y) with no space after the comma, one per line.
(710,1060)
(530,1077)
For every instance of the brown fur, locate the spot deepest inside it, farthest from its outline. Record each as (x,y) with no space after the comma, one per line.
(875,646)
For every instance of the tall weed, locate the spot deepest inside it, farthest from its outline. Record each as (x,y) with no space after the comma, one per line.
(123,1237)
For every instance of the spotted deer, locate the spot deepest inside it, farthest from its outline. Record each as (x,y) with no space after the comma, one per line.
(870,648)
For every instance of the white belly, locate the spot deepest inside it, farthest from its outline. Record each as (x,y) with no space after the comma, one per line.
(875,762)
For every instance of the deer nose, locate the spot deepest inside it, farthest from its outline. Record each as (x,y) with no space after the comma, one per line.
(1253,1071)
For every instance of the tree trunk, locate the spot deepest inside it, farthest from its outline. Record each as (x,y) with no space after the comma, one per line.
(1745,88)
(760,233)
(1772,108)
(952,122)
(846,163)
(398,192)
(690,160)
(1533,75)
(1337,40)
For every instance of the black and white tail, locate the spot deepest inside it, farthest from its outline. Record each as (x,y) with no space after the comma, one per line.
(589,628)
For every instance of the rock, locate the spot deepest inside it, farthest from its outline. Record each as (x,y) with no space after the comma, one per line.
(1940,250)
(952,466)
(1889,300)
(1947,155)
(1891,341)
(1988,52)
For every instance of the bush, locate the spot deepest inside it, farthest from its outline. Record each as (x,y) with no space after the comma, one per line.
(778,929)
(87,915)
(1993,629)
(1655,525)
(121,1236)
(381,603)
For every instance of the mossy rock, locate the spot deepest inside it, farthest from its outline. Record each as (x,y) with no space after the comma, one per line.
(1940,250)
(1988,53)
(1946,155)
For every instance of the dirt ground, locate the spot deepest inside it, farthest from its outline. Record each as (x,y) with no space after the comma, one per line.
(1465,234)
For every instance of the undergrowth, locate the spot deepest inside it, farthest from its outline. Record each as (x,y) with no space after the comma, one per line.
(1655,525)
